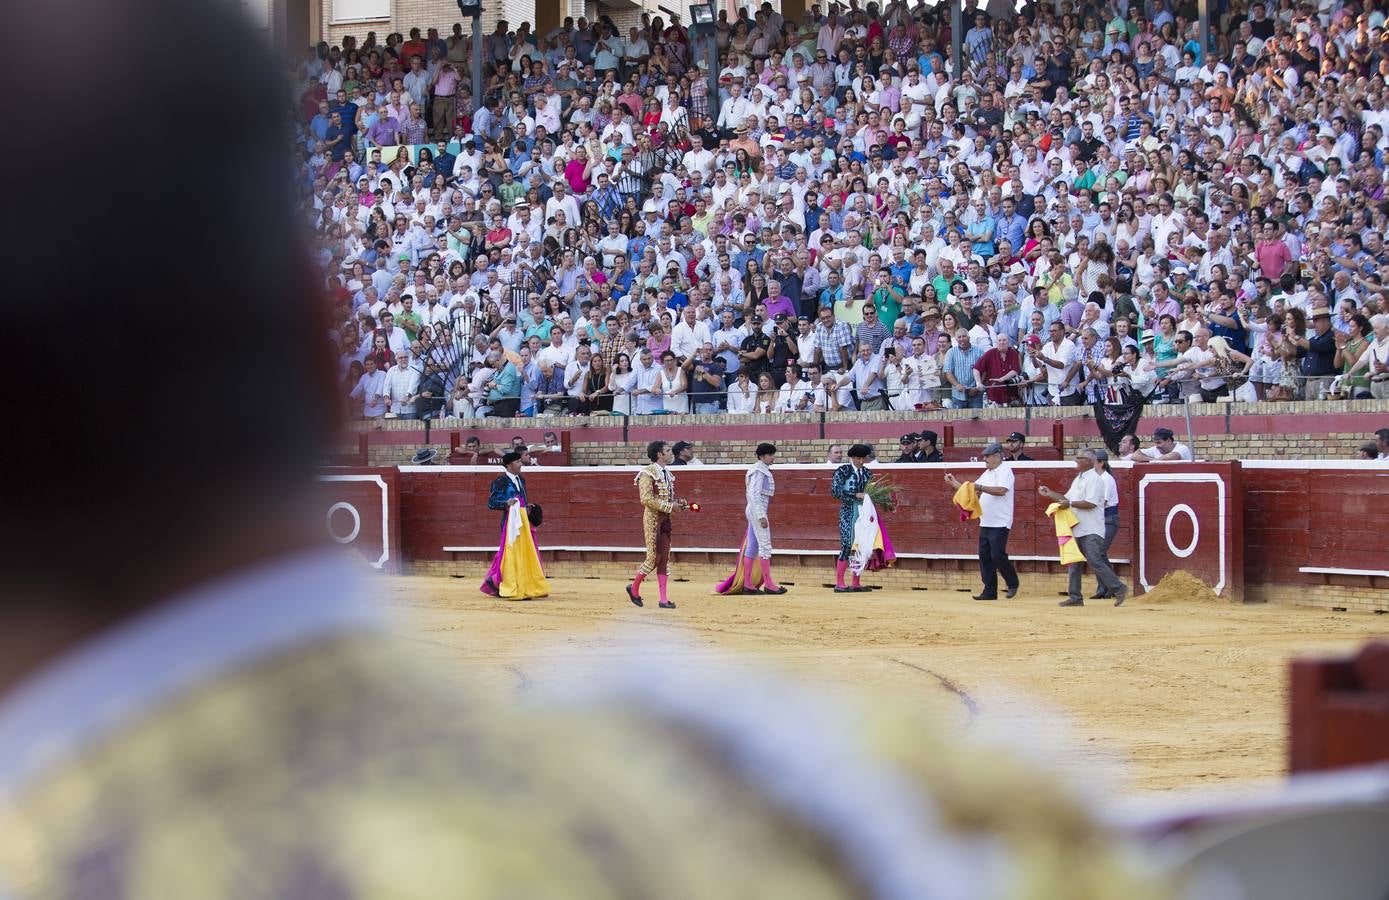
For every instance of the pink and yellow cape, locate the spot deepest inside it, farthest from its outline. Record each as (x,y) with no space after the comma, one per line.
(516,573)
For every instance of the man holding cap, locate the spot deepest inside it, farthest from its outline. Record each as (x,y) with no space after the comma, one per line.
(1012,447)
(995,490)
(1086,498)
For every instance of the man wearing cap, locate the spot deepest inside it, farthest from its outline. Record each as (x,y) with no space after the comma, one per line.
(1012,447)
(930,453)
(1165,449)
(1086,498)
(684,454)
(995,490)
(909,444)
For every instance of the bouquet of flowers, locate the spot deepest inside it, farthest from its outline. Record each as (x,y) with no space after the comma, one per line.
(882,492)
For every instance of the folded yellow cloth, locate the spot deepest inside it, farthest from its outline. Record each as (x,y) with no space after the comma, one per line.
(1065,520)
(966,500)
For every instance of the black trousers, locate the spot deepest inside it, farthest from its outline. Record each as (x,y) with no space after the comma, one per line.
(1212,396)
(506,408)
(994,561)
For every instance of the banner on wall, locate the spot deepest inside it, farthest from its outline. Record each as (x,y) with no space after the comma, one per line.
(1118,419)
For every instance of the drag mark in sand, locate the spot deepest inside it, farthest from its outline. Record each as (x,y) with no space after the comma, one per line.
(970,704)
(521,676)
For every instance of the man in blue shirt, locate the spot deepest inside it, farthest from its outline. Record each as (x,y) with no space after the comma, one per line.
(750,251)
(1009,225)
(1223,320)
(622,277)
(901,269)
(980,231)
(959,373)
(348,111)
(338,138)
(320,122)
(834,290)
(678,299)
(813,212)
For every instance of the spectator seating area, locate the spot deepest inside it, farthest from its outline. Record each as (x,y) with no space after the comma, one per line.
(1097,210)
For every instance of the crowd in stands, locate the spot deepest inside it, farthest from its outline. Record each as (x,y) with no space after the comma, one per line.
(1098,209)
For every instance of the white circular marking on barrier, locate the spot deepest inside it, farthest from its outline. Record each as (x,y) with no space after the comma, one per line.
(356,523)
(1195,531)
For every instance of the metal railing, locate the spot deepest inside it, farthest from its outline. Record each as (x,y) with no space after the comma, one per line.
(642,404)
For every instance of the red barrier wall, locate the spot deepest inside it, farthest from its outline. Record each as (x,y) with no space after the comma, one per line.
(1339,711)
(361,510)
(1308,526)
(596,508)
(1332,517)
(1189,518)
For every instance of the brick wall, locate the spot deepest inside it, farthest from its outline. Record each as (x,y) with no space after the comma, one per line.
(1212,440)
(1326,596)
(441,14)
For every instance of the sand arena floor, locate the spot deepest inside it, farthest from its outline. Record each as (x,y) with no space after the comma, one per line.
(1174,696)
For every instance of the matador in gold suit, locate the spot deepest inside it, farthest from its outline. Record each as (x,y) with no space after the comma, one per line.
(656,487)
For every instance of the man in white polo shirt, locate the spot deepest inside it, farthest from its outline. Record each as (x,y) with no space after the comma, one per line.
(1086,499)
(995,489)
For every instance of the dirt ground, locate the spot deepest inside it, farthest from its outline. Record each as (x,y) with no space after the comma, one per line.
(1165,697)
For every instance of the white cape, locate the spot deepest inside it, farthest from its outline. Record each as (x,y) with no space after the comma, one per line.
(865,536)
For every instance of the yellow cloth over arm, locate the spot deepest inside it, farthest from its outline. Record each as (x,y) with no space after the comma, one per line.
(1064,520)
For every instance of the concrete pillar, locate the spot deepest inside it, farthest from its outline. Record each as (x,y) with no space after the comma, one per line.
(549,15)
(792,10)
(298,26)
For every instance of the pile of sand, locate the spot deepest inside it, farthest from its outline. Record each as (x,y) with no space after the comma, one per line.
(1180,587)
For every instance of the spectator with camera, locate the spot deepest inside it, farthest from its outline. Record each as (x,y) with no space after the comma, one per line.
(705,373)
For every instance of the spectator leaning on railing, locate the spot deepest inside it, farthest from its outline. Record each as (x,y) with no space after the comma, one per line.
(1077,184)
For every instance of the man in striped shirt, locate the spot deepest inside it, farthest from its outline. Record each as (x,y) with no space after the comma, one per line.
(871,330)
(833,342)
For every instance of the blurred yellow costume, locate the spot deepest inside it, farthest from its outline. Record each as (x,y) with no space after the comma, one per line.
(304,753)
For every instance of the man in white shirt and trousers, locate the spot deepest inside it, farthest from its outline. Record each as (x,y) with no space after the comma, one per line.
(1111,519)
(995,490)
(1086,498)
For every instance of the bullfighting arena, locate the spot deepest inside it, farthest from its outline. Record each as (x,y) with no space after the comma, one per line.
(1158,696)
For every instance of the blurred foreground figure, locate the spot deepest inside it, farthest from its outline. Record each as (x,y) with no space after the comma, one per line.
(197,701)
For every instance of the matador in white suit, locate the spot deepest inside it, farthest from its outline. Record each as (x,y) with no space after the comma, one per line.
(759,485)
